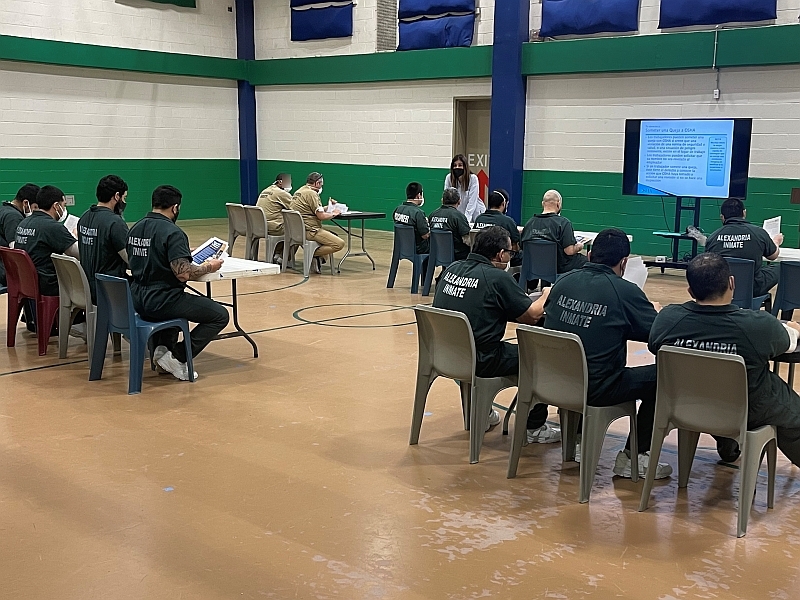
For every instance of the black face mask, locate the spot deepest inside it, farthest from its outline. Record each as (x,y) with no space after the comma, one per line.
(120,207)
(177,212)
(458,173)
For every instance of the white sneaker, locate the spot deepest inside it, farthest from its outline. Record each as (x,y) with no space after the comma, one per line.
(578,453)
(158,353)
(78,331)
(172,365)
(494,419)
(622,466)
(546,434)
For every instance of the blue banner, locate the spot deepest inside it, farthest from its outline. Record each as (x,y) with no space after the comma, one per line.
(322,23)
(683,13)
(418,8)
(582,17)
(444,32)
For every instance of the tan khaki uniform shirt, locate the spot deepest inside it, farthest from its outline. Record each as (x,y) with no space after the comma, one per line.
(306,202)
(273,200)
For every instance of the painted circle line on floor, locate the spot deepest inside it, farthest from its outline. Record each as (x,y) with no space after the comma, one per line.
(360,310)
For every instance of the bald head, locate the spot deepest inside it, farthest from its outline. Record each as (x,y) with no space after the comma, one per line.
(551,201)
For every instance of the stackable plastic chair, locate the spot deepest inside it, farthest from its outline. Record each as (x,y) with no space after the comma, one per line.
(472,234)
(539,261)
(237,224)
(294,236)
(700,391)
(23,283)
(787,296)
(742,270)
(115,314)
(259,230)
(441,255)
(405,248)
(552,370)
(447,349)
(74,296)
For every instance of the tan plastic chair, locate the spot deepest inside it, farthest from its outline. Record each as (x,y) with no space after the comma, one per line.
(701,391)
(472,234)
(447,349)
(259,230)
(294,236)
(552,370)
(237,224)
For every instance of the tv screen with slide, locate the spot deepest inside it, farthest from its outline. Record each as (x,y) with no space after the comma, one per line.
(695,158)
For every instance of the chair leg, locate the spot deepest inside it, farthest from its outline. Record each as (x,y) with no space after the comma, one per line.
(135,374)
(426,288)
(308,256)
(478,420)
(772,457)
(286,253)
(64,320)
(748,473)
(634,435)
(99,349)
(466,402)
(518,437)
(424,383)
(687,447)
(416,275)
(659,433)
(594,433)
(13,311)
(393,273)
(91,325)
(187,342)
(45,319)
(569,433)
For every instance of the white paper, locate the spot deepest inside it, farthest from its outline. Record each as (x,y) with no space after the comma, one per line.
(342,208)
(772,226)
(71,223)
(635,271)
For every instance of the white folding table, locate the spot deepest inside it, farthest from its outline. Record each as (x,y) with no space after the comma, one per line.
(233,269)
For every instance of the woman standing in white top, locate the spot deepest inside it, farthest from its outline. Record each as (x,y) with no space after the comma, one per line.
(466,183)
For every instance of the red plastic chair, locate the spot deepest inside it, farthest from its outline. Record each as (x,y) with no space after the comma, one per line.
(23,283)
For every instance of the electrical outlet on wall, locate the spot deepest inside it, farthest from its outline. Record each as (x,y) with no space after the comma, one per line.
(70,199)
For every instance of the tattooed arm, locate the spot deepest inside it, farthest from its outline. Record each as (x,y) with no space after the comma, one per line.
(185,270)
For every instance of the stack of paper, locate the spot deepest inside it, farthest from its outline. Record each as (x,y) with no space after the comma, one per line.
(772,226)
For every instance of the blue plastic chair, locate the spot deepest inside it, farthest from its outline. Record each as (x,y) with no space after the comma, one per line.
(405,248)
(539,261)
(115,314)
(743,271)
(787,297)
(441,255)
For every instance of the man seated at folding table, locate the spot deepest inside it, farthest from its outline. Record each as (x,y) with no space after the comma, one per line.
(711,322)
(103,234)
(605,311)
(273,200)
(410,213)
(480,288)
(550,225)
(448,218)
(306,201)
(161,264)
(497,203)
(738,238)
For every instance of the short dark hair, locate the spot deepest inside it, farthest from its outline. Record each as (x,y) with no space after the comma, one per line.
(283,176)
(109,186)
(313,177)
(610,247)
(496,198)
(166,196)
(413,190)
(732,208)
(47,196)
(27,192)
(450,197)
(491,240)
(708,275)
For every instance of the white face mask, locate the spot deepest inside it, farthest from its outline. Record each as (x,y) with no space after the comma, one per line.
(422,201)
(319,192)
(26,209)
(64,213)
(287,189)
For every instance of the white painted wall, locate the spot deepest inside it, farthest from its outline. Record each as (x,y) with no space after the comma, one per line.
(577,123)
(53,112)
(274,32)
(485,23)
(207,30)
(402,124)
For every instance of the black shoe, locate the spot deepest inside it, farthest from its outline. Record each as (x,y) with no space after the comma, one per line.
(728,450)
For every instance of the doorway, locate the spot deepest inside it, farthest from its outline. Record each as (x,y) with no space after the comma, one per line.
(471,121)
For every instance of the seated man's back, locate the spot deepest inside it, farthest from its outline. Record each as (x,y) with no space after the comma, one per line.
(409,213)
(11,214)
(713,324)
(448,218)
(41,236)
(738,238)
(273,200)
(550,225)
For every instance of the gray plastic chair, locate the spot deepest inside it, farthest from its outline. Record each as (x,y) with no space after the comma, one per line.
(74,296)
(700,391)
(258,230)
(552,368)
(447,349)
(294,236)
(237,224)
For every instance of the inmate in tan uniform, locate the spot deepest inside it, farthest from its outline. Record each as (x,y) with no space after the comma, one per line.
(306,202)
(273,200)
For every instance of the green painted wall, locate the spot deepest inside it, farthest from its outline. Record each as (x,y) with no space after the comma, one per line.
(206,184)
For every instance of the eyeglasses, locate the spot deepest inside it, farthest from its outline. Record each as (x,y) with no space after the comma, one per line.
(511,253)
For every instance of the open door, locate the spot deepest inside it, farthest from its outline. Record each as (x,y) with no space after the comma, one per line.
(471,119)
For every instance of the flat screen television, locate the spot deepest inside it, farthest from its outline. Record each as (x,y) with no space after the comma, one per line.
(694,158)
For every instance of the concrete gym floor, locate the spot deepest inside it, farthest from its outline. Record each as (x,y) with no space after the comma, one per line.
(290,475)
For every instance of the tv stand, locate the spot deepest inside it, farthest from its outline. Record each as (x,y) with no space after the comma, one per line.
(681,205)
